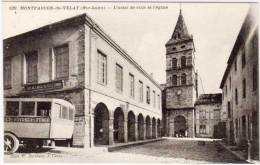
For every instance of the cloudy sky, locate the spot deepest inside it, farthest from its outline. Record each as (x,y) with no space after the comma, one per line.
(144,32)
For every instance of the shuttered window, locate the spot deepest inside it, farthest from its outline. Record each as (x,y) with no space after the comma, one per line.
(31,67)
(119,78)
(61,61)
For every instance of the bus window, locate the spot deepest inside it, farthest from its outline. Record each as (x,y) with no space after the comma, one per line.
(28,108)
(43,108)
(70,114)
(12,108)
(64,112)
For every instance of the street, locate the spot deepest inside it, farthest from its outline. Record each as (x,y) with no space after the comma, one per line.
(165,151)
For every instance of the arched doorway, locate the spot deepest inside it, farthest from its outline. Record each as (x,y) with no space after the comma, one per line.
(158,128)
(140,127)
(153,128)
(131,126)
(119,125)
(148,127)
(180,127)
(101,127)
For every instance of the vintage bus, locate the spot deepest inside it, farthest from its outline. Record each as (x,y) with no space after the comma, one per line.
(30,121)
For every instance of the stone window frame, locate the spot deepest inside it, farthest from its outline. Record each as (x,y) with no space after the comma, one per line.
(7,69)
(141,91)
(183,79)
(101,68)
(26,67)
(148,95)
(119,78)
(64,73)
(183,61)
(131,85)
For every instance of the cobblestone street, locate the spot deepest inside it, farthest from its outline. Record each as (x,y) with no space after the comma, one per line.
(166,151)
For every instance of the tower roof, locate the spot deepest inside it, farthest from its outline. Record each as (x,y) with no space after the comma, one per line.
(180,32)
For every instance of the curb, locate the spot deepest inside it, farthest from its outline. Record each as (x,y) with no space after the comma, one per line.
(126,145)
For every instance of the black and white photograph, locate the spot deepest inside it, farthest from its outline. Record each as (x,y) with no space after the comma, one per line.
(173,82)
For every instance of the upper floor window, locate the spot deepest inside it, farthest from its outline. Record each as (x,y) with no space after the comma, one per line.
(230,82)
(140,87)
(174,63)
(154,99)
(255,78)
(202,129)
(183,79)
(148,95)
(216,114)
(202,114)
(236,96)
(226,89)
(132,85)
(119,77)
(102,68)
(243,58)
(229,110)
(159,101)
(61,54)
(189,61)
(31,59)
(235,64)
(174,80)
(183,61)
(7,73)
(244,88)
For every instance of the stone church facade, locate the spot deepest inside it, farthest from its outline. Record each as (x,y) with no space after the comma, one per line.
(180,88)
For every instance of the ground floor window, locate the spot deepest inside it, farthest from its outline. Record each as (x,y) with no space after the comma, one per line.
(203,129)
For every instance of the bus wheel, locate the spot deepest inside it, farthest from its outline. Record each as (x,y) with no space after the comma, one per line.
(11,143)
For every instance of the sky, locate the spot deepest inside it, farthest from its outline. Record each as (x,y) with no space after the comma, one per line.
(142,33)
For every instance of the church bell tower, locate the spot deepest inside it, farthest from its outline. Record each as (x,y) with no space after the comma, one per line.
(181,82)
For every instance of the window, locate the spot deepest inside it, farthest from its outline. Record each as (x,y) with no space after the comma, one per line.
(71,115)
(189,61)
(64,113)
(31,67)
(148,95)
(255,79)
(132,85)
(216,114)
(235,64)
(159,101)
(226,89)
(202,114)
(154,98)
(174,63)
(119,78)
(229,110)
(183,46)
(183,61)
(203,129)
(236,96)
(230,82)
(7,73)
(61,54)
(183,79)
(174,80)
(43,108)
(28,108)
(141,94)
(207,114)
(12,108)
(174,48)
(244,88)
(102,68)
(211,115)
(243,58)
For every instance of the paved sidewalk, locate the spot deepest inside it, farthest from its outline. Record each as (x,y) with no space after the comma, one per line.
(238,153)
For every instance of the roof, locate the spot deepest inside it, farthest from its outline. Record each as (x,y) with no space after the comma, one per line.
(81,19)
(180,32)
(241,38)
(209,99)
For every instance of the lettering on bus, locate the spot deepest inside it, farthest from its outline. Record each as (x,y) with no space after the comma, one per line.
(28,119)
